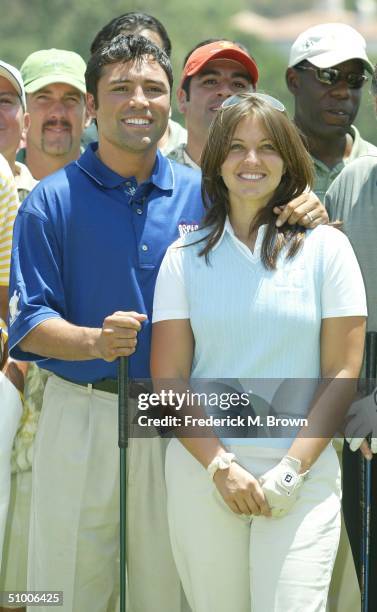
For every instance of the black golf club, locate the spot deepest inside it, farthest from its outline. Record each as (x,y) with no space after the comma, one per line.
(123,444)
(366,475)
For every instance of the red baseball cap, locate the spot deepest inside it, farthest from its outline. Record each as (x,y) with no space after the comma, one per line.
(221,48)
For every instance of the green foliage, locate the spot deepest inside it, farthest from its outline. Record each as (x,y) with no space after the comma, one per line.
(28,25)
(280,9)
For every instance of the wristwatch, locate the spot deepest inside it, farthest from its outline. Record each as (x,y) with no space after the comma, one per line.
(221,462)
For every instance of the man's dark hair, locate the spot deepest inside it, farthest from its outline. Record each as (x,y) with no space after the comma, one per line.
(124,49)
(186,82)
(131,23)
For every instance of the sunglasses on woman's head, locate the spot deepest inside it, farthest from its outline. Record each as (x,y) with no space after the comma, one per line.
(331,76)
(276,104)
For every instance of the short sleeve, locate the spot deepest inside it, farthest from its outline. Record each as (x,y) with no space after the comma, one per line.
(343,292)
(332,197)
(170,297)
(35,288)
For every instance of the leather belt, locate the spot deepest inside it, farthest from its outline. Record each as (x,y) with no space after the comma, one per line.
(110,385)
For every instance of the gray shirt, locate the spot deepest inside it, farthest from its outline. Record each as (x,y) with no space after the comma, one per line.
(352,198)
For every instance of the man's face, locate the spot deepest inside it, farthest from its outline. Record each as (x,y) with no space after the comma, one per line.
(57,119)
(217,80)
(325,110)
(133,102)
(11,119)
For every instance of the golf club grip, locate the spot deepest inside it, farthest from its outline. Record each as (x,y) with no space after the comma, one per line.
(123,402)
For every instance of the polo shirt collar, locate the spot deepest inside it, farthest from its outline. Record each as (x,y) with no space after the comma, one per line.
(162,174)
(228,229)
(355,152)
(23,177)
(356,147)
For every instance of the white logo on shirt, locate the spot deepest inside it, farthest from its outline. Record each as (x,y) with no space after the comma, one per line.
(186,228)
(13,307)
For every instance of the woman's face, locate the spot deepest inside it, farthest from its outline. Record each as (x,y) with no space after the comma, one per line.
(253,168)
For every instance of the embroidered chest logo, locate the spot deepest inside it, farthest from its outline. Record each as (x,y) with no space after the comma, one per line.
(185,228)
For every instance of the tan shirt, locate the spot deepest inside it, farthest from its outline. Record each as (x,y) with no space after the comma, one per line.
(25,182)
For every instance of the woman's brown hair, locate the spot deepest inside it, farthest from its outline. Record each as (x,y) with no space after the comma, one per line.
(298,175)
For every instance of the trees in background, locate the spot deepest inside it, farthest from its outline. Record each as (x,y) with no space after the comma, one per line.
(28,25)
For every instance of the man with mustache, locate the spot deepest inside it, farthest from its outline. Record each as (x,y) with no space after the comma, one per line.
(55,90)
(326,74)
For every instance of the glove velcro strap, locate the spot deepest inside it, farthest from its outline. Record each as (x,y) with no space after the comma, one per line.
(290,479)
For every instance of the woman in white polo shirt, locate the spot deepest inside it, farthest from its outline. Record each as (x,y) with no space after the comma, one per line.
(255,523)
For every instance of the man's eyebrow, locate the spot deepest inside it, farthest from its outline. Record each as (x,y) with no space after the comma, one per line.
(73,92)
(213,71)
(41,90)
(121,81)
(47,90)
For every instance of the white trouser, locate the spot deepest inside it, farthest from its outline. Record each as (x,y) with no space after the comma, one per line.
(10,414)
(227,562)
(74,522)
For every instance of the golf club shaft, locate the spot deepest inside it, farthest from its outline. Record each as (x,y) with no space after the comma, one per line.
(123,444)
(366,475)
(123,402)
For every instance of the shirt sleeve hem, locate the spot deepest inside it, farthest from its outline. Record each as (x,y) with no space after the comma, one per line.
(16,338)
(166,315)
(345,312)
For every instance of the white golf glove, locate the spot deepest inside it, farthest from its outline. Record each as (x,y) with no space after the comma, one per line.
(363,422)
(281,485)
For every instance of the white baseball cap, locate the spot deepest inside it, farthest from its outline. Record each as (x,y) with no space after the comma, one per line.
(329,44)
(14,77)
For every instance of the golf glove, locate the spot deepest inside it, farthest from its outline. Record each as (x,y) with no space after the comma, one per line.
(281,485)
(363,422)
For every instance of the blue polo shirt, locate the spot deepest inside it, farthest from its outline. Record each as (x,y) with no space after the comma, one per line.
(88,242)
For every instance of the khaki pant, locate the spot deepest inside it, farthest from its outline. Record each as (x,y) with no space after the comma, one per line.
(344,594)
(74,524)
(14,565)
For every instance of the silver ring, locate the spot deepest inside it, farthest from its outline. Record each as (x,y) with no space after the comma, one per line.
(310,217)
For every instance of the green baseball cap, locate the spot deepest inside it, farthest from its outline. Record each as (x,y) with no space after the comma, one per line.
(47,66)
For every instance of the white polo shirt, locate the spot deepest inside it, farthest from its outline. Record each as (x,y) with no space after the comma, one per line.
(252,323)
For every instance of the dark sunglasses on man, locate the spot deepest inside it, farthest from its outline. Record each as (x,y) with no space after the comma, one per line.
(332,76)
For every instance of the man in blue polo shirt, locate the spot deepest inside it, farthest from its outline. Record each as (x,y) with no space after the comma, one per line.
(88,243)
